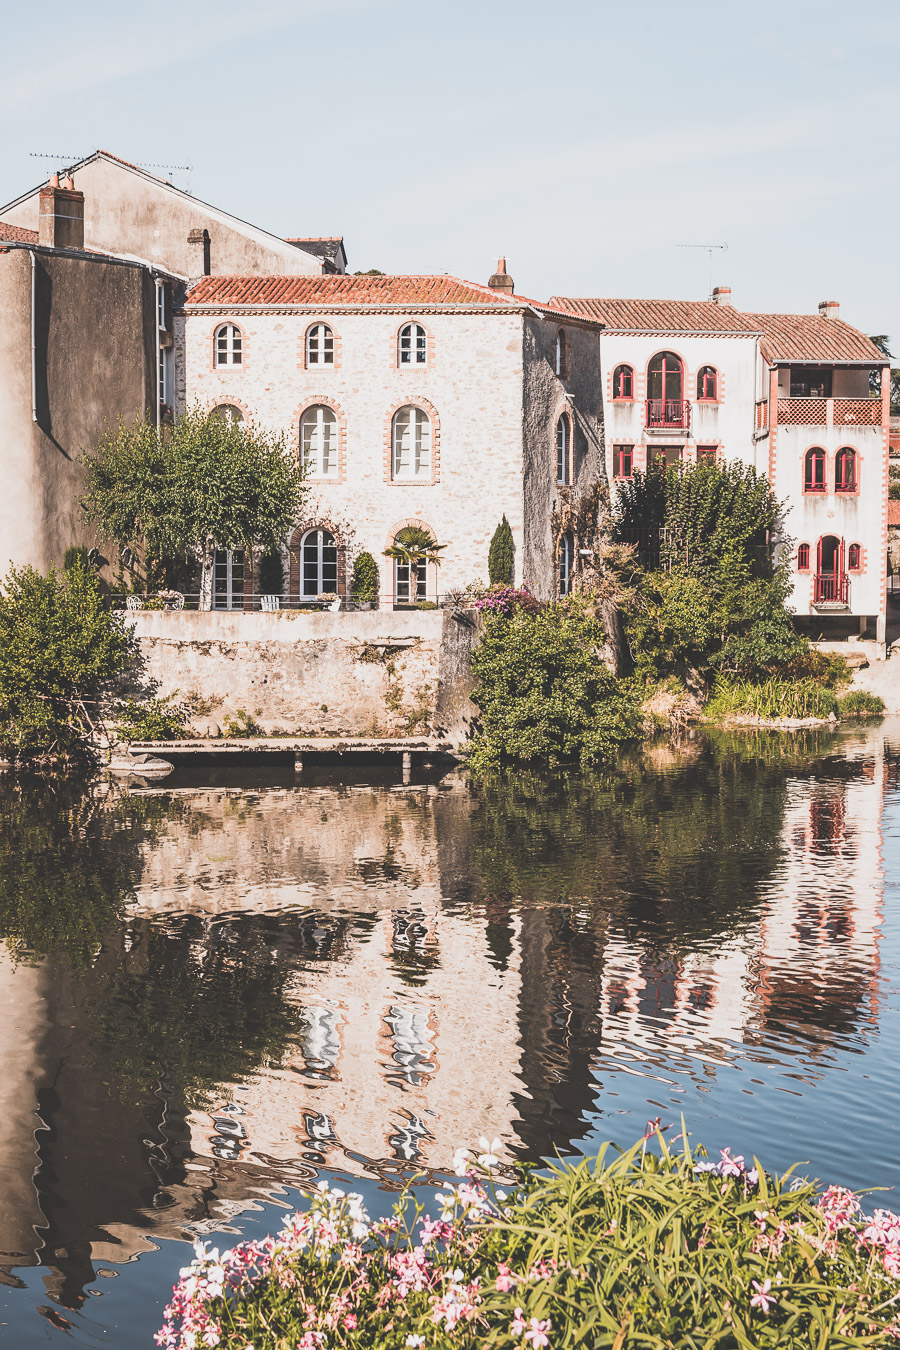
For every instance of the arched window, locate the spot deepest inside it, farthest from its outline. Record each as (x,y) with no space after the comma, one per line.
(411,574)
(320,345)
(318,563)
(566,563)
(319,442)
(561,362)
(854,557)
(665,392)
(227,412)
(563,451)
(845,470)
(707,384)
(229,345)
(803,558)
(623,382)
(411,442)
(412,348)
(814,470)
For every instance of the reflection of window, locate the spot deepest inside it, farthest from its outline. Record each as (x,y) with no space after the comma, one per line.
(319,1041)
(405,1139)
(814,470)
(319,442)
(803,558)
(411,443)
(413,1052)
(320,345)
(319,1127)
(229,345)
(854,557)
(563,457)
(318,560)
(412,349)
(623,461)
(623,382)
(845,470)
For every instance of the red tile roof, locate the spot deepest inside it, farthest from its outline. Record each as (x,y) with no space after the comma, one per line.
(893,513)
(785,337)
(351,291)
(17,235)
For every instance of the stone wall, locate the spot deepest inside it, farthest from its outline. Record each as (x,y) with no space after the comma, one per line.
(378,672)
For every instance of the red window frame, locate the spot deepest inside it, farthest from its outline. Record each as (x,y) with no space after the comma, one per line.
(623,383)
(854,558)
(803,558)
(665,378)
(707,384)
(846,479)
(707,454)
(814,470)
(623,461)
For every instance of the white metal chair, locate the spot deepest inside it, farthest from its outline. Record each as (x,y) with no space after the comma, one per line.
(134,602)
(269,603)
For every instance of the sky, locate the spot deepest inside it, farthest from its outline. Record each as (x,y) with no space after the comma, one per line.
(585,140)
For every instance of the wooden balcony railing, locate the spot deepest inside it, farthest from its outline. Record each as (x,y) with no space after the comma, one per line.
(672,413)
(829,412)
(831,588)
(762,414)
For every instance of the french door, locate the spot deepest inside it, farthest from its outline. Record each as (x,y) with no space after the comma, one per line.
(228,579)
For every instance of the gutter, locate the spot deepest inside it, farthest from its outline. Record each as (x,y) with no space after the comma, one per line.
(34,415)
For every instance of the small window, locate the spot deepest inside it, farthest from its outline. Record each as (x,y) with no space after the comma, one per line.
(563,447)
(623,461)
(623,382)
(854,557)
(412,348)
(411,444)
(707,384)
(227,412)
(845,470)
(319,442)
(814,470)
(707,454)
(566,563)
(162,308)
(320,345)
(229,345)
(561,363)
(803,558)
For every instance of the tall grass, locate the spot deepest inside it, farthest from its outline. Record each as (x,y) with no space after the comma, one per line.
(770,699)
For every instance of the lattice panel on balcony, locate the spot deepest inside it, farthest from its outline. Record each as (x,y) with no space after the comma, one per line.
(857,412)
(803,412)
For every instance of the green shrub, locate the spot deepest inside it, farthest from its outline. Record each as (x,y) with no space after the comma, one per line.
(894,491)
(154,719)
(500,555)
(242,724)
(638,1249)
(426,604)
(74,554)
(544,693)
(860,703)
(364,582)
(271,573)
(770,699)
(61,649)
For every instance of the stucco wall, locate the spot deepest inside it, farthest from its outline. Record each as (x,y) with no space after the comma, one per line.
(128,212)
(94,354)
(298,671)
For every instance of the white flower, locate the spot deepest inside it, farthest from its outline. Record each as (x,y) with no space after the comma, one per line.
(501,1195)
(491,1155)
(415,1341)
(461,1160)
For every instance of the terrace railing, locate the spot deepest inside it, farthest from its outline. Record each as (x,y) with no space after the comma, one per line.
(669,413)
(832,588)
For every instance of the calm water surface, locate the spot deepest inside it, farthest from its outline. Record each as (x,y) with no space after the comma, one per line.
(216,991)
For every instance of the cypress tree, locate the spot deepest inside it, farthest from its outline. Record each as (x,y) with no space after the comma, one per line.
(500,555)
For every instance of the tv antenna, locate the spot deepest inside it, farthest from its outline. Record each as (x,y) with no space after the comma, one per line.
(710,249)
(66,162)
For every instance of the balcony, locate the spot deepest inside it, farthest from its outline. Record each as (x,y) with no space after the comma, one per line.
(668,414)
(831,590)
(829,412)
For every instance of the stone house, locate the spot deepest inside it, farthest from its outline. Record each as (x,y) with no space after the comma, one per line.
(419,401)
(803,398)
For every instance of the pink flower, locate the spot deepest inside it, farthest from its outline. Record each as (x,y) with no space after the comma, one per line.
(537,1332)
(505,1278)
(518,1324)
(762,1298)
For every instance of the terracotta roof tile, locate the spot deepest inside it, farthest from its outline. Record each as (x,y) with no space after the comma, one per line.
(893,513)
(17,235)
(347,290)
(785,337)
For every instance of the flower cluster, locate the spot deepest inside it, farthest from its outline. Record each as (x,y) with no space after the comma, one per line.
(730,1167)
(505,599)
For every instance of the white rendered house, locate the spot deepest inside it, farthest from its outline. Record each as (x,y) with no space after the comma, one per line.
(804,398)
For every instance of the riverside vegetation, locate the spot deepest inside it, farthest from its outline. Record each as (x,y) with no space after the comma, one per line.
(641,1249)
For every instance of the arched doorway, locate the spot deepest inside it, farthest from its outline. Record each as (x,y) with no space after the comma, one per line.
(831,578)
(665,391)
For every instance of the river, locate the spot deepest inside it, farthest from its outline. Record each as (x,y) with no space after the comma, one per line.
(217,990)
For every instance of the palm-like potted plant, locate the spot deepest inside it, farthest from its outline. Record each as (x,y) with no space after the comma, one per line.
(414,545)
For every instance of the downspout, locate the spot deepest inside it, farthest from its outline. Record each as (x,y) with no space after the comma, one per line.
(158,285)
(34,412)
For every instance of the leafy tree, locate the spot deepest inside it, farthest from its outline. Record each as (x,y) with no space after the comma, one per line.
(271,573)
(882,342)
(185,491)
(500,555)
(74,554)
(60,651)
(364,583)
(544,692)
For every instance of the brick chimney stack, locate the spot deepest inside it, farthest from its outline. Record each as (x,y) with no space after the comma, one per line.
(501,280)
(721,295)
(61,214)
(830,309)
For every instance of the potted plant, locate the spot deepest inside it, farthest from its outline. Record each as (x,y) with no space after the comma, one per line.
(414,545)
(364,583)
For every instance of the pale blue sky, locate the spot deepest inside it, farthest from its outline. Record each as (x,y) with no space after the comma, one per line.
(583,140)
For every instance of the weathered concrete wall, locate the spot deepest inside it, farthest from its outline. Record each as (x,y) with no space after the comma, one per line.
(94,353)
(362,673)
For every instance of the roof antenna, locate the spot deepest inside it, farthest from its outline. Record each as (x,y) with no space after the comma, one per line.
(710,249)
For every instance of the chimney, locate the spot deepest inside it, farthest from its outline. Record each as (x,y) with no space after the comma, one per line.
(721,295)
(501,280)
(61,215)
(200,252)
(830,309)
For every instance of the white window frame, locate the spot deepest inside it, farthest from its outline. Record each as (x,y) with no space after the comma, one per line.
(229,345)
(566,563)
(228,564)
(412,345)
(562,353)
(410,582)
(319,441)
(320,345)
(411,444)
(563,451)
(320,547)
